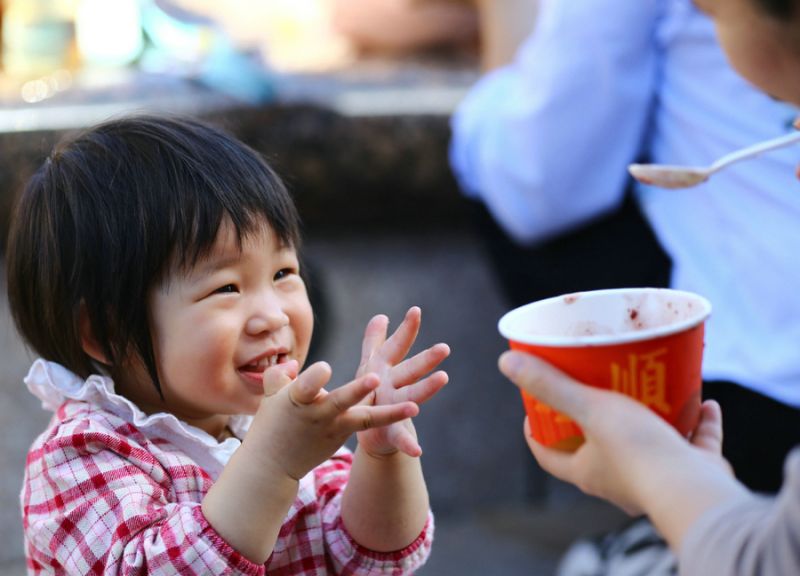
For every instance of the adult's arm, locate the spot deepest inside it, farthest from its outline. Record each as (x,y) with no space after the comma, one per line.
(504,26)
(545,141)
(748,536)
(634,459)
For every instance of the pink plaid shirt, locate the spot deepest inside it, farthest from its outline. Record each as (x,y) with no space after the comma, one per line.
(110,490)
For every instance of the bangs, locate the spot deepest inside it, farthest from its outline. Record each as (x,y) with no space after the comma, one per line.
(113,212)
(242,192)
(192,188)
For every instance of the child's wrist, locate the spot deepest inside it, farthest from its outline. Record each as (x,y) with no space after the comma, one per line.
(383,457)
(261,461)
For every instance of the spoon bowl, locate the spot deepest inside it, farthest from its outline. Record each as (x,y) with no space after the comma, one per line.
(666,176)
(674,177)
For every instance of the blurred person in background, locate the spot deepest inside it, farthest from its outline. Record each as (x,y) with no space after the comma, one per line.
(406,25)
(542,144)
(326,34)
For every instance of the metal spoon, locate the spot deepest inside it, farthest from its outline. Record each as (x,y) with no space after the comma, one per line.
(666,176)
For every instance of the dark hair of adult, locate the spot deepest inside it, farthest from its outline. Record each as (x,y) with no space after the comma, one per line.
(111,212)
(781,9)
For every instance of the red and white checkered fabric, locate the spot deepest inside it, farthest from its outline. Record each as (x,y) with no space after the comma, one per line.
(102,496)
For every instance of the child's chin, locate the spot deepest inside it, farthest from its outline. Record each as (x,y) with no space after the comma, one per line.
(251,407)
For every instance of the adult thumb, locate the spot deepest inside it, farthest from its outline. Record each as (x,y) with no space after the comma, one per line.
(547,383)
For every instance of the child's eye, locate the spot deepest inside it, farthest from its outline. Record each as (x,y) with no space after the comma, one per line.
(284,272)
(227,289)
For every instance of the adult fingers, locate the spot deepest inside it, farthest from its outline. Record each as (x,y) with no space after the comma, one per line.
(556,462)
(411,370)
(308,385)
(548,384)
(708,433)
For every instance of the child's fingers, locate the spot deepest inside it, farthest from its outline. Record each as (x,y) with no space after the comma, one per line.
(402,439)
(276,377)
(420,392)
(352,393)
(411,370)
(363,417)
(400,342)
(374,336)
(307,386)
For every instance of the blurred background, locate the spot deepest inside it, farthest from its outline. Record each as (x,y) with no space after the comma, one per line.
(350,101)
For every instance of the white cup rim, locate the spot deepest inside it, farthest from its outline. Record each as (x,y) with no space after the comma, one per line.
(507,330)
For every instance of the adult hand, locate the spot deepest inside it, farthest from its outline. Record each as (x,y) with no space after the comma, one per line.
(628,449)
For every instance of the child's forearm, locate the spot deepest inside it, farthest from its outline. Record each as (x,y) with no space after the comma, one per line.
(385,504)
(248,503)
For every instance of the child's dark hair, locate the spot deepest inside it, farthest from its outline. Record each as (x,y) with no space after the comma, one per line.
(111,212)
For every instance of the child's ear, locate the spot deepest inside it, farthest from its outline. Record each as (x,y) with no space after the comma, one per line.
(88,341)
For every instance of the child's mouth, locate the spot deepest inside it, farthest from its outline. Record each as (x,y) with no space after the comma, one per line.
(265,363)
(254,372)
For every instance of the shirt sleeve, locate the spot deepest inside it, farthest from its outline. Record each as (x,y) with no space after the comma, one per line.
(545,141)
(346,555)
(95,501)
(753,536)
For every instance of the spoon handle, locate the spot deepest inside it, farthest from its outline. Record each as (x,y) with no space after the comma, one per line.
(755,149)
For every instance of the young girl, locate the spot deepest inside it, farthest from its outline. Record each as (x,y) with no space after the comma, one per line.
(153,265)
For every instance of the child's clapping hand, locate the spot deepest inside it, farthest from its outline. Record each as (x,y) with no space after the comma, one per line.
(303,424)
(401,380)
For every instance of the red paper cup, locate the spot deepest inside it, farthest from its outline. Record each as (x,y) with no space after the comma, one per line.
(646,343)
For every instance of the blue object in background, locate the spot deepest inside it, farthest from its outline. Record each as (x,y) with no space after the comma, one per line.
(180,41)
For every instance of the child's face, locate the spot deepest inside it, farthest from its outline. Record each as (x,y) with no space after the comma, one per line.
(762,49)
(216,329)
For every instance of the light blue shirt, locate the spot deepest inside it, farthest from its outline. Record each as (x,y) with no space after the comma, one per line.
(545,143)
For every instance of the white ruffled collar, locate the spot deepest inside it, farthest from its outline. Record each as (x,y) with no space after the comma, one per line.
(53,384)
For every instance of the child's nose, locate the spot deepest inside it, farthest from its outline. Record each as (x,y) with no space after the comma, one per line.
(267,315)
